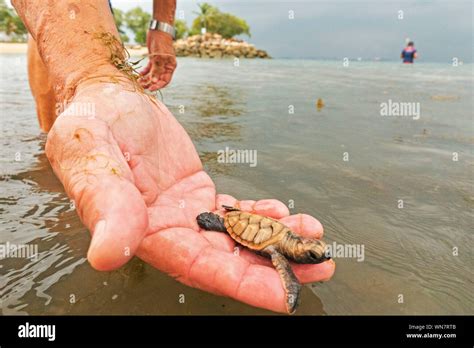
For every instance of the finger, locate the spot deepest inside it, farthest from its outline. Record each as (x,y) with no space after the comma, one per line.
(96,176)
(246,205)
(271,208)
(304,225)
(189,257)
(223,199)
(116,213)
(157,85)
(160,81)
(156,71)
(267,207)
(145,81)
(320,272)
(146,69)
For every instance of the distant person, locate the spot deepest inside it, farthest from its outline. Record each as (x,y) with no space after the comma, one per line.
(409,53)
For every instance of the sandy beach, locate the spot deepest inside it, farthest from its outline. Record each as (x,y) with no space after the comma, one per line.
(21,47)
(12,48)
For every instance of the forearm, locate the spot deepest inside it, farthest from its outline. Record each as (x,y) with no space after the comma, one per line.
(164,10)
(67,34)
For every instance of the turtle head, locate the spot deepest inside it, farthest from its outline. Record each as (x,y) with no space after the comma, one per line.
(310,251)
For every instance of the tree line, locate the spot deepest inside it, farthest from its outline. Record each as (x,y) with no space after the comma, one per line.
(11,24)
(208,19)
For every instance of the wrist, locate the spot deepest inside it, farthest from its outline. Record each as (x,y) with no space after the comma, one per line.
(161,36)
(107,74)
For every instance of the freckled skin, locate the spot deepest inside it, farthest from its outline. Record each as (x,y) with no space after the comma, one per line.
(140,209)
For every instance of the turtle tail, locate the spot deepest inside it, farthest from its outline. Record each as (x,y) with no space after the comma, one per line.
(211,222)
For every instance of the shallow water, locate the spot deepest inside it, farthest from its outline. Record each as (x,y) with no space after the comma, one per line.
(408,251)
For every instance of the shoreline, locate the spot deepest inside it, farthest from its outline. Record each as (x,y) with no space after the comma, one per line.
(200,46)
(136,50)
(21,47)
(13,47)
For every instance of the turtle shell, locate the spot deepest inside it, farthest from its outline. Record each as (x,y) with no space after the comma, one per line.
(252,230)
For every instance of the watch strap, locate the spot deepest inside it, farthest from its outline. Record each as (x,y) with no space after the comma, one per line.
(162,26)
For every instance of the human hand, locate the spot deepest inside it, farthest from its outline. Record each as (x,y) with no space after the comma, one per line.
(162,61)
(138,185)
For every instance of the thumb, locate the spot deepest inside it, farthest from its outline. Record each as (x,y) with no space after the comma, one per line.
(116,215)
(146,69)
(95,174)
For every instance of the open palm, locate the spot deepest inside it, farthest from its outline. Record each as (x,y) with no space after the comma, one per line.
(138,185)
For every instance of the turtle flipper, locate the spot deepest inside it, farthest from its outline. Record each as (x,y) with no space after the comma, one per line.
(290,283)
(211,222)
(229,208)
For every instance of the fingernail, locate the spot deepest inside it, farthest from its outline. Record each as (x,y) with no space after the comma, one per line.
(98,236)
(154,79)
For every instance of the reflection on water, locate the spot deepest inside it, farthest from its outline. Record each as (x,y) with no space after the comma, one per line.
(217,101)
(221,131)
(213,114)
(213,119)
(211,165)
(345,164)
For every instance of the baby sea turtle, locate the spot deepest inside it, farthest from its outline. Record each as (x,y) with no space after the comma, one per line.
(270,238)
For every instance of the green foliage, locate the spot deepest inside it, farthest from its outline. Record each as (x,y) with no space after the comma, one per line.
(119,18)
(138,20)
(181,28)
(215,21)
(10,23)
(229,25)
(208,16)
(203,19)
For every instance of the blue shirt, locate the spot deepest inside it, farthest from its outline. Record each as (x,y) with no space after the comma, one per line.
(408,54)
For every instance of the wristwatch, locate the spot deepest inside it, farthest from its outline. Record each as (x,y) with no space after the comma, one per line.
(162,26)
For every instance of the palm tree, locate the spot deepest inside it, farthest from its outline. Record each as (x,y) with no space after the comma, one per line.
(205,13)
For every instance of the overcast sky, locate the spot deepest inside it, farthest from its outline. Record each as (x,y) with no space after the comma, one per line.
(441,29)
